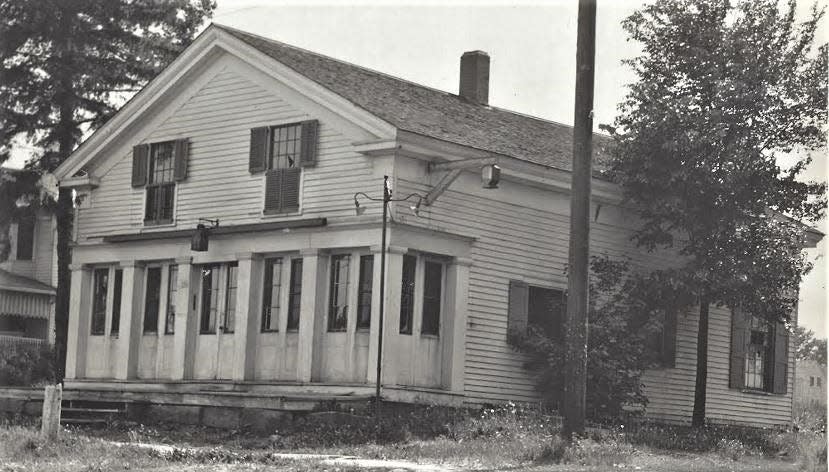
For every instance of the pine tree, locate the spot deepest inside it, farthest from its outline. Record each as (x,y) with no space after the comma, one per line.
(725,88)
(64,67)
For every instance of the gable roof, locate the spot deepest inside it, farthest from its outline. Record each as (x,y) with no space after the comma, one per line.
(430,112)
(19,283)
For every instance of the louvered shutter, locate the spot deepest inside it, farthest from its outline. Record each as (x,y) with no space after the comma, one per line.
(781,358)
(140,164)
(273,191)
(181,154)
(259,138)
(739,347)
(308,151)
(518,306)
(669,339)
(290,189)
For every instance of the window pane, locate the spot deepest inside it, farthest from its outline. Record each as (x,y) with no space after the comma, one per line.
(172,290)
(407,294)
(165,212)
(116,302)
(270,294)
(285,146)
(364,300)
(208,307)
(152,300)
(432,285)
(230,299)
(151,209)
(757,368)
(295,295)
(100,286)
(25,238)
(338,307)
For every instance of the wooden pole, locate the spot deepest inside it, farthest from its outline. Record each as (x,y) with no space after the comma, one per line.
(386,199)
(575,367)
(50,419)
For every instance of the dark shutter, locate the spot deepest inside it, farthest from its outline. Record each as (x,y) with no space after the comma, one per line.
(273,190)
(181,154)
(258,149)
(781,358)
(669,339)
(518,306)
(739,339)
(290,189)
(140,163)
(310,136)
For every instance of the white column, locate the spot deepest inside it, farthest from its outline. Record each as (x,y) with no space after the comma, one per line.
(80,297)
(184,336)
(312,304)
(248,288)
(391,321)
(374,326)
(454,347)
(132,304)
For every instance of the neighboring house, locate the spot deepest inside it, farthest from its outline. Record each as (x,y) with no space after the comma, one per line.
(810,384)
(27,278)
(276,142)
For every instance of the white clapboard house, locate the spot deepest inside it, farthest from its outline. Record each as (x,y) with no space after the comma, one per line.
(274,142)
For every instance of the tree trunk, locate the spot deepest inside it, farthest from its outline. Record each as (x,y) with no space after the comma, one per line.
(701,386)
(64,229)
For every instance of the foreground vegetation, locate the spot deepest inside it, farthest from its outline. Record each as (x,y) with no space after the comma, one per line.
(489,439)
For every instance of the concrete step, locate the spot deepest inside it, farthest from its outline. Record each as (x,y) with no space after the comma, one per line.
(83,420)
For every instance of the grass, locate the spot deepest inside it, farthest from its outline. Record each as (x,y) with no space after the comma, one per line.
(491,439)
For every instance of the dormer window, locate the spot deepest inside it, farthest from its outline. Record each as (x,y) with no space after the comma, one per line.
(281,152)
(158,167)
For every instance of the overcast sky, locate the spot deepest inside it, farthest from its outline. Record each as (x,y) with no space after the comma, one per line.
(532,50)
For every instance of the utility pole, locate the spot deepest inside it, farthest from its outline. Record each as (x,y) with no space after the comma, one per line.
(575,357)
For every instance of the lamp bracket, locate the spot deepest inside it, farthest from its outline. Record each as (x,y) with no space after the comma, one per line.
(213,223)
(454,169)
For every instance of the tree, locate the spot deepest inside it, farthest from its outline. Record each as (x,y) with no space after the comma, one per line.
(724,89)
(808,347)
(64,67)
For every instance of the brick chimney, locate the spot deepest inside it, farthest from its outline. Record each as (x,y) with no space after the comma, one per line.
(474,85)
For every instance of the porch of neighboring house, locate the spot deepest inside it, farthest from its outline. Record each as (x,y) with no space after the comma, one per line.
(279,326)
(26,307)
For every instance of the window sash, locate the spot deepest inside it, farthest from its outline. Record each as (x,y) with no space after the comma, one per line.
(338,305)
(172,291)
(286,146)
(432,297)
(295,295)
(407,294)
(100,287)
(229,322)
(209,298)
(160,184)
(271,295)
(758,359)
(364,292)
(152,300)
(116,302)
(25,238)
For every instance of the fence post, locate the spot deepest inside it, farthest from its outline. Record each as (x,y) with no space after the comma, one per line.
(50,420)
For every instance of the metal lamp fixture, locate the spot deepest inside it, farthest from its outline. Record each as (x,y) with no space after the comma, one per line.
(490,176)
(201,236)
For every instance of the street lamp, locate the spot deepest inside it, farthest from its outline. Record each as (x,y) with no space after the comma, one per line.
(360,210)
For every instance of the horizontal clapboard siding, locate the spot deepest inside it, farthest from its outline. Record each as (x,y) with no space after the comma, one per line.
(217,120)
(522,233)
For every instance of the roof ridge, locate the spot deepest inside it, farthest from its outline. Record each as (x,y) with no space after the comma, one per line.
(393,77)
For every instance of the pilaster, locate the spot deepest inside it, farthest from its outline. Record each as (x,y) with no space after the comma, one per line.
(80,297)
(248,288)
(129,337)
(454,349)
(184,336)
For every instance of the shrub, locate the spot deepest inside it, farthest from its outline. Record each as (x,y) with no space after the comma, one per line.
(625,316)
(26,365)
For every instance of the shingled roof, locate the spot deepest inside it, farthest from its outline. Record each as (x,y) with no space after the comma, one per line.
(430,112)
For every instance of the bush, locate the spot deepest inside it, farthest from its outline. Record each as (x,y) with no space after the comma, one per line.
(625,313)
(26,365)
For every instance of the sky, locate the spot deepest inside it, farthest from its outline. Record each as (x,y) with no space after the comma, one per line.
(532,51)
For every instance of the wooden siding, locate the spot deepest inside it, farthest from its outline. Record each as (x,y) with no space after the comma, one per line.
(217,119)
(522,233)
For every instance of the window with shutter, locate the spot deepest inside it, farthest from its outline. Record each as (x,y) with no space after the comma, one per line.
(167,164)
(281,151)
(759,354)
(25,238)
(546,308)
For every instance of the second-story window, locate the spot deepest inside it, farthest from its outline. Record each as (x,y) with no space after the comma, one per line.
(158,167)
(161,186)
(281,152)
(25,238)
